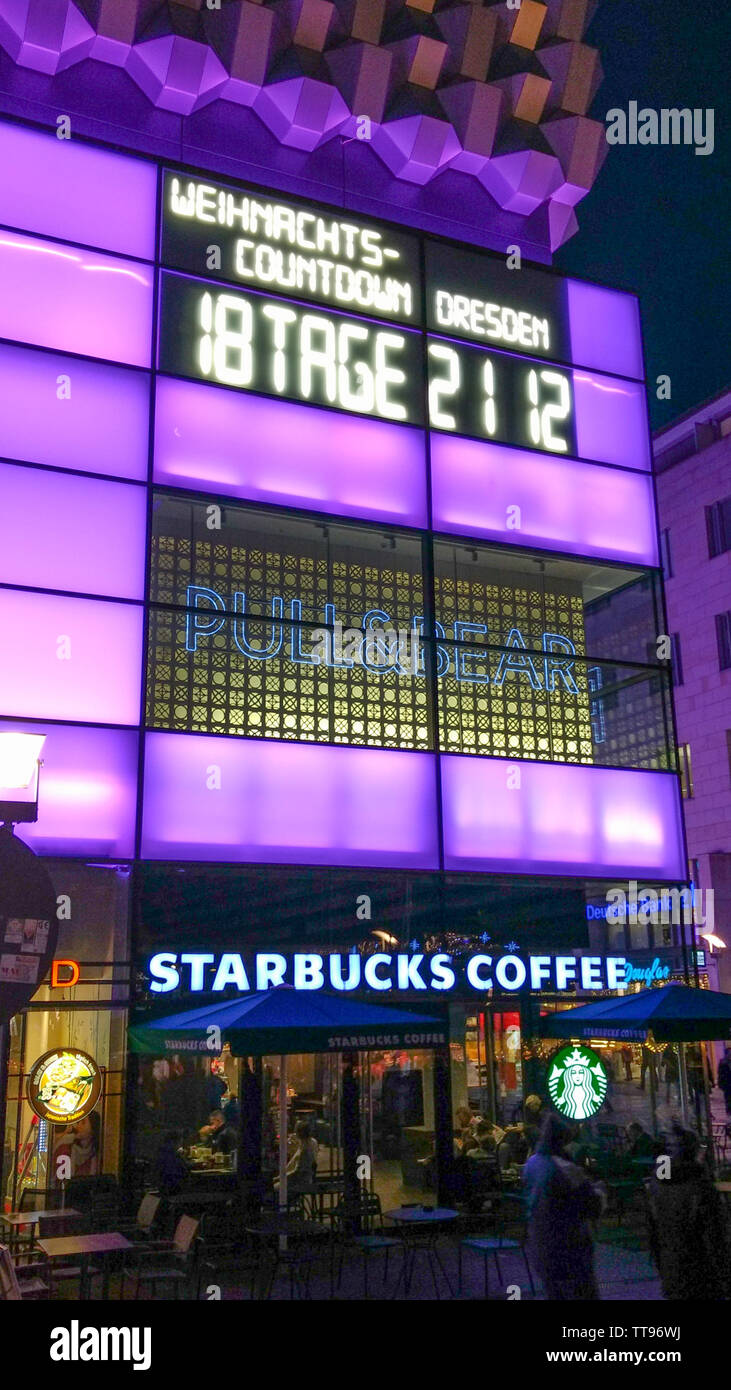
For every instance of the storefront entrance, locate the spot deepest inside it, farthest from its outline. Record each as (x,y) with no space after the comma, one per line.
(392,1135)
(91,1144)
(494,1064)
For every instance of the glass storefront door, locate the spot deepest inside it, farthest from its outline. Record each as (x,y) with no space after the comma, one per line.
(494,1064)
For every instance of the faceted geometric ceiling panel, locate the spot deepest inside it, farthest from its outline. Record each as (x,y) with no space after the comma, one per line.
(494,94)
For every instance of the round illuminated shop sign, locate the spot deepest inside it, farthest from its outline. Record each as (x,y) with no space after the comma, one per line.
(64,1085)
(577,1081)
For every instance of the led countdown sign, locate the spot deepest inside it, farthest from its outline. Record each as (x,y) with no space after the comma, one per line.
(496,365)
(471,295)
(512,400)
(279,348)
(268,243)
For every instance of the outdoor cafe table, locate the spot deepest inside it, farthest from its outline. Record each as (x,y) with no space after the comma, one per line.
(273,1228)
(32,1218)
(16,1220)
(332,1189)
(103,1243)
(203,1198)
(416,1223)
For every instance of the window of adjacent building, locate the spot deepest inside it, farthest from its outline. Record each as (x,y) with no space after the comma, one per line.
(723,640)
(676,658)
(666,558)
(686,771)
(718,527)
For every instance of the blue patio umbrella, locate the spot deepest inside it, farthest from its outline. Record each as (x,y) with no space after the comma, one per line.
(671,1013)
(282,1021)
(286,1020)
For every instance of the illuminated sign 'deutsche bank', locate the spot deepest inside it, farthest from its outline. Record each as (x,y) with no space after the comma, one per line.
(438,972)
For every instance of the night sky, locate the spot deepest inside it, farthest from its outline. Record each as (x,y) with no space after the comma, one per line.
(658,219)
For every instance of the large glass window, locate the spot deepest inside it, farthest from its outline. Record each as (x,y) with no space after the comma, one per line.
(271,626)
(279,628)
(552,659)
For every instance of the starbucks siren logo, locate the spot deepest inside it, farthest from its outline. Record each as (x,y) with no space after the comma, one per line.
(577,1082)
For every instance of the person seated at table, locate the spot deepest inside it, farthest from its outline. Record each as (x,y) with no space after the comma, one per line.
(463,1119)
(171,1169)
(688,1232)
(641,1144)
(464,1124)
(579,1147)
(485,1143)
(532,1115)
(231,1112)
(220,1135)
(302,1166)
(515,1148)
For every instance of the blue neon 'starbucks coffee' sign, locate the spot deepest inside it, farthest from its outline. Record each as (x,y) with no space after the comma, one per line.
(437,972)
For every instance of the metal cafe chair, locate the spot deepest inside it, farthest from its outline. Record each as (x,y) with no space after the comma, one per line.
(226,1256)
(176,1257)
(369,1239)
(492,1246)
(22,1278)
(141,1227)
(305,1243)
(418,1240)
(40,1199)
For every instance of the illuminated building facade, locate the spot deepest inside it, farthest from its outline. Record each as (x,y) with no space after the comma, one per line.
(337,593)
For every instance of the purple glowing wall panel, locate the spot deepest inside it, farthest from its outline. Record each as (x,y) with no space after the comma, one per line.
(76,192)
(578,508)
(287,803)
(276,451)
(96,422)
(605,329)
(87,790)
(560,819)
(70,658)
(88,536)
(611,420)
(78,301)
